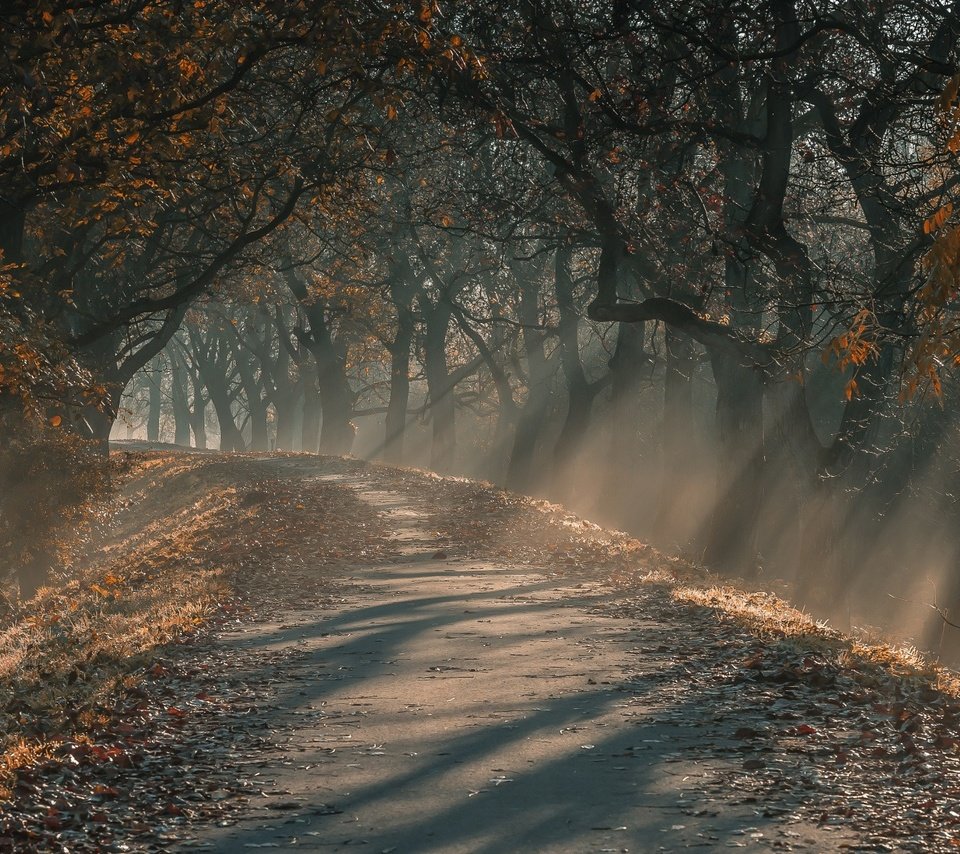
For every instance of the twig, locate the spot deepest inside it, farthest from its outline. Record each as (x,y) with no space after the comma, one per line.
(931,605)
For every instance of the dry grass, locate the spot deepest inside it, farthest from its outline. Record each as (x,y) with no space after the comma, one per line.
(532,531)
(65,654)
(773,619)
(181,540)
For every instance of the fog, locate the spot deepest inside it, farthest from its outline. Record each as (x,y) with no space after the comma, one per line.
(880,559)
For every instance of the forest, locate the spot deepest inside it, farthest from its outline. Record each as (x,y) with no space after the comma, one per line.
(689,268)
(479,426)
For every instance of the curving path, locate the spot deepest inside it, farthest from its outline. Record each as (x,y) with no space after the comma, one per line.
(450,705)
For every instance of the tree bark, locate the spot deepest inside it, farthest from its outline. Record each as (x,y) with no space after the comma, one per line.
(198,412)
(679,457)
(231,439)
(439,385)
(253,392)
(627,369)
(285,402)
(522,475)
(731,541)
(310,428)
(154,378)
(213,373)
(336,397)
(579,392)
(181,406)
(396,419)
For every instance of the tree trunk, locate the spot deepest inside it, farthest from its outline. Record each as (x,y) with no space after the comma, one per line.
(627,365)
(731,542)
(396,420)
(154,378)
(336,398)
(256,405)
(198,413)
(231,438)
(522,475)
(99,422)
(310,428)
(679,458)
(259,434)
(439,386)
(181,405)
(285,403)
(214,377)
(95,422)
(579,393)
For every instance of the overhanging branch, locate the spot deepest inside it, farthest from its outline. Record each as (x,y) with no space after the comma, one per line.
(711,333)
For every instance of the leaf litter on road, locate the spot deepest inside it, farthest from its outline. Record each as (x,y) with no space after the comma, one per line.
(801,722)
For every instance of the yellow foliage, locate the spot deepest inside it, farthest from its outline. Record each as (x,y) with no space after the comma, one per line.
(854,347)
(933,223)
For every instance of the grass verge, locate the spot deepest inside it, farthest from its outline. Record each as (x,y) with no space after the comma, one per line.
(183,542)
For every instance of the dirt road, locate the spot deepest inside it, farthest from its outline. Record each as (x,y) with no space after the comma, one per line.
(454,705)
(387,661)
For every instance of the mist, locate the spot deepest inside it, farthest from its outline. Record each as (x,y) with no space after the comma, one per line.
(879,558)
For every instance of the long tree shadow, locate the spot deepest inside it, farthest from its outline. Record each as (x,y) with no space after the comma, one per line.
(552,795)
